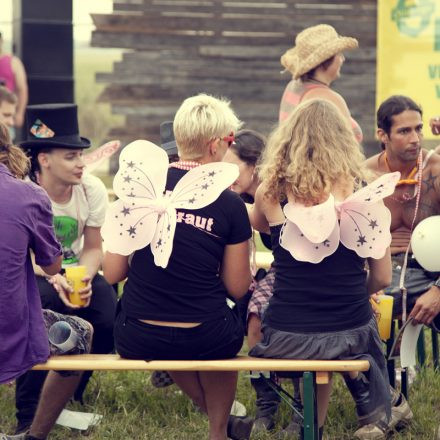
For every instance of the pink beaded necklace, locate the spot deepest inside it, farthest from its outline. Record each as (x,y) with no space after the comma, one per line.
(185,164)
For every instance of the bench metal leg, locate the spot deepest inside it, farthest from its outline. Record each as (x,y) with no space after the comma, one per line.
(311,429)
(289,399)
(391,365)
(434,336)
(404,382)
(310,416)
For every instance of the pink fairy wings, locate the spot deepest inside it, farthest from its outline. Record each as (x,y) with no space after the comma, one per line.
(97,157)
(361,223)
(144,213)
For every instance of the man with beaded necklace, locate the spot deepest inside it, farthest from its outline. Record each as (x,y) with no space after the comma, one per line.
(417,196)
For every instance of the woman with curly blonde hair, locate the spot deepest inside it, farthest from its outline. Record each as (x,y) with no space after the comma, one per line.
(312,169)
(310,153)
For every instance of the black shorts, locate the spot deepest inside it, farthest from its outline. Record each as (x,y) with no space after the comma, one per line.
(221,338)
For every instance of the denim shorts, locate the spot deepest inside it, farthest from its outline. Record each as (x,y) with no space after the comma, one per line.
(417,282)
(221,338)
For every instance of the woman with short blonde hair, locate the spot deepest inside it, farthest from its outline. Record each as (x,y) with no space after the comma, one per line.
(175,308)
(199,120)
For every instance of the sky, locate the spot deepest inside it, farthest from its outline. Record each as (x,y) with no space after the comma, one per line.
(82,23)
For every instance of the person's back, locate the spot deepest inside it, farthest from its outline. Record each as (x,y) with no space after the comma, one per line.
(327,296)
(190,250)
(25,224)
(189,290)
(321,237)
(315,62)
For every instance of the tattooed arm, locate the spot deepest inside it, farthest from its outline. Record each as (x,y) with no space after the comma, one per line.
(427,306)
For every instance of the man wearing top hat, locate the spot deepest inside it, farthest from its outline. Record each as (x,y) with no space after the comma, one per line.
(79,202)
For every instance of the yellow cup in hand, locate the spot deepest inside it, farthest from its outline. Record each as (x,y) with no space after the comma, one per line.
(74,276)
(384,312)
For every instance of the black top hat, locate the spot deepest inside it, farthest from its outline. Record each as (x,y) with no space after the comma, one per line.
(53,125)
(167,138)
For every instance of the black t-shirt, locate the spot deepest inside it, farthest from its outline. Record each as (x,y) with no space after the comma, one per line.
(266,240)
(189,289)
(324,297)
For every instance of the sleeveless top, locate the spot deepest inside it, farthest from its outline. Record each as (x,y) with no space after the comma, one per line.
(6,74)
(294,94)
(329,296)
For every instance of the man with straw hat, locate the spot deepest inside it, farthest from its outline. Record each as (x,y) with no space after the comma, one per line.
(315,62)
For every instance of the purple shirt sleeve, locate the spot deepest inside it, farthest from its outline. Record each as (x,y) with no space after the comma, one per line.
(44,242)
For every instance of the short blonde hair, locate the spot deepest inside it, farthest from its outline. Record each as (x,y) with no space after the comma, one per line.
(201,119)
(309,152)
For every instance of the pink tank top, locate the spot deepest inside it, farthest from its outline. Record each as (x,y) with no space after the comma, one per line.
(6,74)
(293,95)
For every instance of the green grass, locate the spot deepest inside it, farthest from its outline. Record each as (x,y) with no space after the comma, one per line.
(134,409)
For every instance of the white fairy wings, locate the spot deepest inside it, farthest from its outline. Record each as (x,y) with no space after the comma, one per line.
(145,214)
(361,223)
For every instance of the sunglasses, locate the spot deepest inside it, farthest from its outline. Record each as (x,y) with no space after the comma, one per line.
(229,139)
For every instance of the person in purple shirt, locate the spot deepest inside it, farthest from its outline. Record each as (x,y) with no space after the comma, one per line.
(25,227)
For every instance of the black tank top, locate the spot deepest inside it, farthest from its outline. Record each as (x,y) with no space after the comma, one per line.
(324,297)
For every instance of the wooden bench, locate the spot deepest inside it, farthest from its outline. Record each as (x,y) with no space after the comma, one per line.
(313,372)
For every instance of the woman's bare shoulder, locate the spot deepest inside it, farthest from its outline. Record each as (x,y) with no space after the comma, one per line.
(330,95)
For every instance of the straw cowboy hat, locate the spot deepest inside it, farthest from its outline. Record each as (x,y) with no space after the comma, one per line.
(313,46)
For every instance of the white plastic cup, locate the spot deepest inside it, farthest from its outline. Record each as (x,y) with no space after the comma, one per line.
(63,336)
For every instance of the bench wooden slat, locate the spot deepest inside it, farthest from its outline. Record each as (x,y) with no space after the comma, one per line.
(240,363)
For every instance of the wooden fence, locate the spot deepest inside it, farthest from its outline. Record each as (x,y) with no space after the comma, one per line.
(178,48)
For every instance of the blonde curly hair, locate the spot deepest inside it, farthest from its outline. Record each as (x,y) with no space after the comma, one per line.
(309,152)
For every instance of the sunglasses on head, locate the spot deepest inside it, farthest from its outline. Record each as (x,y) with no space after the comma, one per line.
(229,139)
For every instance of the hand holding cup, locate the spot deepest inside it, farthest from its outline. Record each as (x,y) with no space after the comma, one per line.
(75,289)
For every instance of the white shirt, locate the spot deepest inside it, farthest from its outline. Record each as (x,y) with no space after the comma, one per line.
(87,207)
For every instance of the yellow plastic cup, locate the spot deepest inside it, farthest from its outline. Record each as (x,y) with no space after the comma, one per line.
(74,276)
(384,315)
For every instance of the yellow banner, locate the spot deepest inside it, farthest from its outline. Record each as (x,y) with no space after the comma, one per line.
(408,53)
